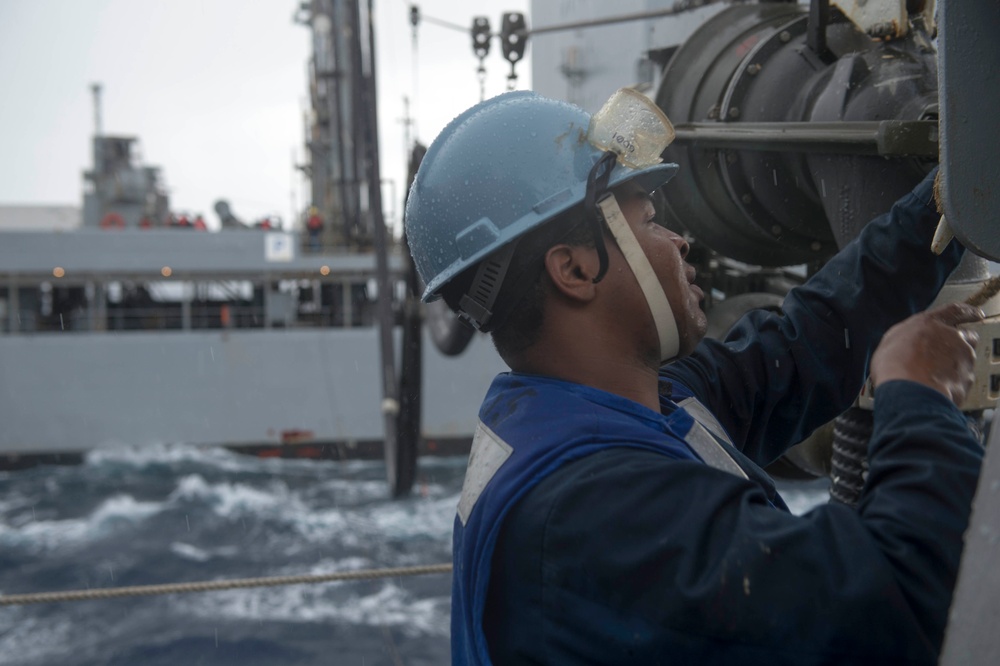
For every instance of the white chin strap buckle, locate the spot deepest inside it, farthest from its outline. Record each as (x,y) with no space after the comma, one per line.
(656,299)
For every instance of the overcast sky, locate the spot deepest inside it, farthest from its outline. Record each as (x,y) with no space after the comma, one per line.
(215,90)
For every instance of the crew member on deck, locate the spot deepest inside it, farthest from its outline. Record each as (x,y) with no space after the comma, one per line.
(314,226)
(614,509)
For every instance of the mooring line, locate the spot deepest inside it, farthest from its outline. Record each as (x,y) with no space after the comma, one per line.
(212,585)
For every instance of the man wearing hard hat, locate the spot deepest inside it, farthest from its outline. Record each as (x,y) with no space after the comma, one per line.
(614,509)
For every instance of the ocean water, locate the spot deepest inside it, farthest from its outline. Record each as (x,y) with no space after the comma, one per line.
(178,514)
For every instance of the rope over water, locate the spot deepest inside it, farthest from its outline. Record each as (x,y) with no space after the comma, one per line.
(209,586)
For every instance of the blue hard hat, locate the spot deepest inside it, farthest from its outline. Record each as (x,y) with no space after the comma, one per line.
(497,171)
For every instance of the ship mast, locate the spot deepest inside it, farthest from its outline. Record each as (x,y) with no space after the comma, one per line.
(342,144)
(95,89)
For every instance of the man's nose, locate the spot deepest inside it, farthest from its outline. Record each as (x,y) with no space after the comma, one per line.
(682,245)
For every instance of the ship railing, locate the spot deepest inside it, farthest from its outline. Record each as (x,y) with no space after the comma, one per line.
(200,318)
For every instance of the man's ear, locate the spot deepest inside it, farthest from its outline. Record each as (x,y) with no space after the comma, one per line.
(572,269)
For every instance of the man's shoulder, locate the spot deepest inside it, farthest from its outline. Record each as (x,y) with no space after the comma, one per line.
(618,479)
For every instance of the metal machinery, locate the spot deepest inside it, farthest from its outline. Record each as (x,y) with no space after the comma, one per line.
(335,127)
(785,123)
(346,188)
(795,126)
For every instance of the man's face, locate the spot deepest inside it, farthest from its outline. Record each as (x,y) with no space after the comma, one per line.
(666,252)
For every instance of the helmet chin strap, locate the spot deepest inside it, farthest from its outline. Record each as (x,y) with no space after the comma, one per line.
(656,299)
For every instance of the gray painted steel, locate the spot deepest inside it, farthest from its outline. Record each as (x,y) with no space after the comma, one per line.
(78,391)
(138,253)
(975,612)
(39,217)
(970,96)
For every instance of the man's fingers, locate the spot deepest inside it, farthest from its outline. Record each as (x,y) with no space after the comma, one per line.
(932,348)
(954,314)
(971,337)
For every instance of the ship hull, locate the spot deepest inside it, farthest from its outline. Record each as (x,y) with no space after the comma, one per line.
(70,393)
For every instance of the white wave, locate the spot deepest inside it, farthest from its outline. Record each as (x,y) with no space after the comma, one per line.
(170,454)
(223,460)
(22,643)
(393,606)
(17,509)
(276,504)
(331,526)
(390,606)
(346,526)
(348,492)
(351,526)
(123,509)
(234,499)
(117,513)
(192,552)
(189,552)
(420,518)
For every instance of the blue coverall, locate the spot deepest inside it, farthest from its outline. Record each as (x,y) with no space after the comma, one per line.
(590,533)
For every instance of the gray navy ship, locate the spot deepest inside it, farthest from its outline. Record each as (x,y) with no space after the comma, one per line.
(126,330)
(127,324)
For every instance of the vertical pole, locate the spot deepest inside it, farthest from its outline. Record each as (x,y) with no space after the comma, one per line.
(400,463)
(186,299)
(266,302)
(348,303)
(91,291)
(100,305)
(358,163)
(343,88)
(98,148)
(95,89)
(14,305)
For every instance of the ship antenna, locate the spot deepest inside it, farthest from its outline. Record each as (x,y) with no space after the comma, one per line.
(95,88)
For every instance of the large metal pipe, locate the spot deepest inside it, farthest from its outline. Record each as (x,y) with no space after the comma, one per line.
(793,134)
